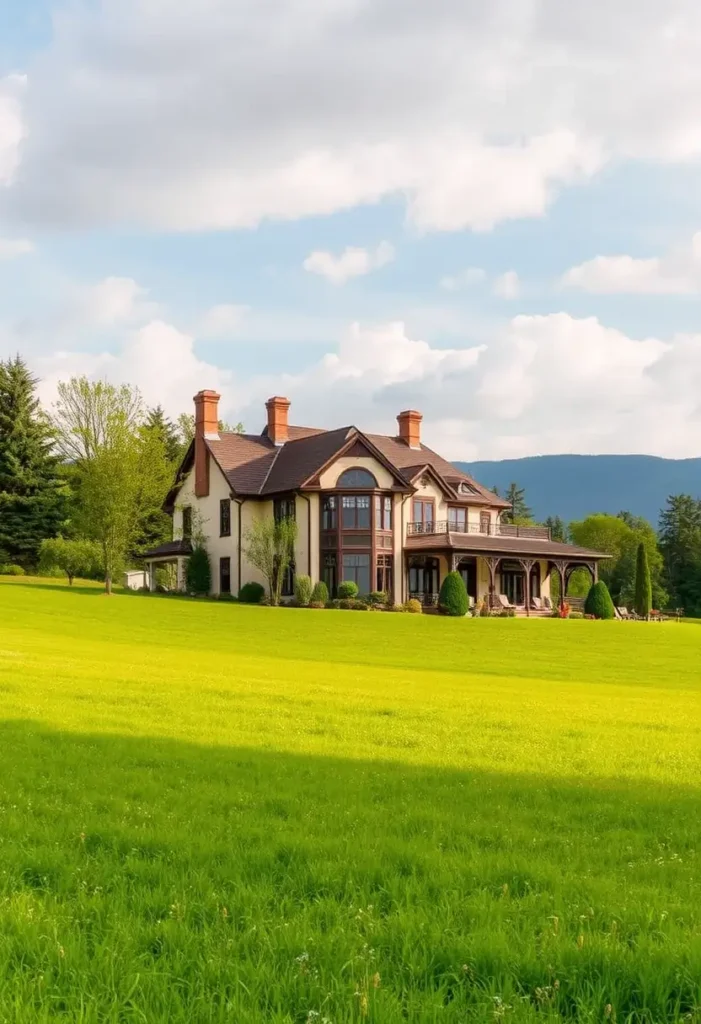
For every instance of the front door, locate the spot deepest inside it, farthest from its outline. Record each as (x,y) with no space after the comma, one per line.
(512,586)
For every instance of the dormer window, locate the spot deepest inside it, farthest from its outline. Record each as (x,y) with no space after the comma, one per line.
(465,489)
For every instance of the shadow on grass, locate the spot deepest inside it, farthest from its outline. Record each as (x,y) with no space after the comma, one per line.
(197,883)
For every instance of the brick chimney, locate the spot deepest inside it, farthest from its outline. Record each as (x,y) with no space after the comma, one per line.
(206,428)
(410,427)
(278,409)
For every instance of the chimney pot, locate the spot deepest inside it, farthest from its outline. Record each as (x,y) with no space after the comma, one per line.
(278,409)
(410,427)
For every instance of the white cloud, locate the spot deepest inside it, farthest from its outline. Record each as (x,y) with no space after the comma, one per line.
(507,286)
(12,130)
(676,273)
(208,115)
(221,322)
(13,247)
(464,279)
(352,262)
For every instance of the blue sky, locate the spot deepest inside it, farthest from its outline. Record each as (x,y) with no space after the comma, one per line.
(491,216)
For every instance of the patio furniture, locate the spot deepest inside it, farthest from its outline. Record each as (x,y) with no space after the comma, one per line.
(505,603)
(537,604)
(623,613)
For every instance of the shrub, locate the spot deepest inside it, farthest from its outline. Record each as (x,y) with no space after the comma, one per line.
(320,593)
(413,606)
(576,615)
(452,599)
(12,570)
(303,590)
(317,604)
(507,613)
(252,593)
(336,603)
(198,574)
(347,589)
(352,604)
(599,603)
(377,598)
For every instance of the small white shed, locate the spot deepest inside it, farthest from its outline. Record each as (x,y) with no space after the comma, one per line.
(135,579)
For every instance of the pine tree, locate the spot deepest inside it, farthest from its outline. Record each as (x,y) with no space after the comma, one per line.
(558,530)
(157,421)
(519,511)
(32,494)
(643,586)
(680,544)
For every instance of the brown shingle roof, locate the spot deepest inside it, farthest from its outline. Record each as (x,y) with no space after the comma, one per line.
(254,466)
(480,543)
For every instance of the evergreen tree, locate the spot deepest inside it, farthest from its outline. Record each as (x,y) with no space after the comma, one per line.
(680,543)
(558,530)
(519,512)
(169,434)
(32,494)
(643,586)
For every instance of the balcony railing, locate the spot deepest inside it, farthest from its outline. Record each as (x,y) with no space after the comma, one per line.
(500,530)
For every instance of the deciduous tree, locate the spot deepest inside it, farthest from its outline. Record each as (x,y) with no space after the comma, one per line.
(270,547)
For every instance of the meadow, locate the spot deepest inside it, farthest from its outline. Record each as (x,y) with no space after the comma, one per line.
(218,813)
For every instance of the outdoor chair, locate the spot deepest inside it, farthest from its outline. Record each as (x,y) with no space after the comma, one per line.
(504,602)
(623,613)
(537,604)
(547,603)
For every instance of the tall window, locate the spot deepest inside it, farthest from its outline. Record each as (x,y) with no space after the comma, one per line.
(224,575)
(384,573)
(423,514)
(225,517)
(357,568)
(328,512)
(283,508)
(356,511)
(383,513)
(356,478)
(330,573)
(187,522)
(457,518)
(288,581)
(485,522)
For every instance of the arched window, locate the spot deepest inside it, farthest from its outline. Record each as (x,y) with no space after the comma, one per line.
(356,478)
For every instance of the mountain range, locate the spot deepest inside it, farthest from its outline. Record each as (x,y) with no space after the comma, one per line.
(574,486)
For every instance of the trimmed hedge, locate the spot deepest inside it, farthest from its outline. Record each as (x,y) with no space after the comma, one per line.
(452,599)
(198,575)
(320,593)
(599,603)
(347,589)
(252,593)
(303,590)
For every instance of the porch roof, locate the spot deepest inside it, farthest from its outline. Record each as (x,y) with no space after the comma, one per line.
(487,544)
(171,549)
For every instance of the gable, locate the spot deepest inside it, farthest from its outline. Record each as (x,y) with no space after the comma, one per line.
(363,460)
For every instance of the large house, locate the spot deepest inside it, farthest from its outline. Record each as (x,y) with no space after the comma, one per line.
(382,510)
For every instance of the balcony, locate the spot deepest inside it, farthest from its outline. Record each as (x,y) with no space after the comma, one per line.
(500,530)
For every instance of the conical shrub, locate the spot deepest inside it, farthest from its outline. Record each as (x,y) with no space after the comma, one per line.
(452,599)
(599,603)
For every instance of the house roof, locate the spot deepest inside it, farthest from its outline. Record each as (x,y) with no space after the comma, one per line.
(170,549)
(254,466)
(488,544)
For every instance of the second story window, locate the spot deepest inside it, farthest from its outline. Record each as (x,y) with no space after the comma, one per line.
(328,512)
(356,511)
(422,515)
(284,508)
(187,522)
(485,522)
(457,518)
(383,512)
(225,517)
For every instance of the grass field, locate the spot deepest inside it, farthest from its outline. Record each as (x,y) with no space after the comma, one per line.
(218,813)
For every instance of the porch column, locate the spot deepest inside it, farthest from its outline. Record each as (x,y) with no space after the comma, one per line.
(493,564)
(179,574)
(562,567)
(455,561)
(527,566)
(151,577)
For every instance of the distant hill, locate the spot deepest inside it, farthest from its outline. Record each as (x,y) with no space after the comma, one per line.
(573,486)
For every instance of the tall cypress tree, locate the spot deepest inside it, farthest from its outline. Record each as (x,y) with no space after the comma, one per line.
(32,494)
(643,586)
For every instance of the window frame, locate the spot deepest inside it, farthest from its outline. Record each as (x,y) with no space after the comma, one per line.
(284,508)
(424,502)
(353,569)
(453,511)
(225,517)
(383,513)
(346,499)
(225,560)
(187,522)
(369,481)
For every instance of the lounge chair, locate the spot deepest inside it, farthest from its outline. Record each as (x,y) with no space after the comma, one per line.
(623,613)
(547,603)
(537,604)
(504,602)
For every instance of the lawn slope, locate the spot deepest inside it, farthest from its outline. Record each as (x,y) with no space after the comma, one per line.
(219,813)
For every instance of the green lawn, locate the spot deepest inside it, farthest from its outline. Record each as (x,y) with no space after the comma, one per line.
(219,813)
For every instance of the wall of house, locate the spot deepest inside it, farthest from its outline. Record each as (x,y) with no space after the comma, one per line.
(307,512)
(206,518)
(251,511)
